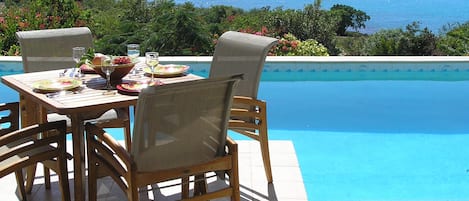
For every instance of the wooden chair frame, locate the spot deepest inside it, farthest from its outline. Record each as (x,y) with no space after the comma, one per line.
(22,148)
(252,122)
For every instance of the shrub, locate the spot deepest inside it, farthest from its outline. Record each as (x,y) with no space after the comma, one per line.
(456,41)
(36,14)
(311,47)
(289,45)
(411,42)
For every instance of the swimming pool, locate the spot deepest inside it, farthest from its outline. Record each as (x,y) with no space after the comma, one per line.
(365,138)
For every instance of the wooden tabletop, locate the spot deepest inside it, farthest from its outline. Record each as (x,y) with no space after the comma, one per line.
(91,96)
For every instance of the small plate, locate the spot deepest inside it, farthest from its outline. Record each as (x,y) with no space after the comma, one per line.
(168,70)
(134,87)
(57,84)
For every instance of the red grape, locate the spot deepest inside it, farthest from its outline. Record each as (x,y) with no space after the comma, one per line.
(121,60)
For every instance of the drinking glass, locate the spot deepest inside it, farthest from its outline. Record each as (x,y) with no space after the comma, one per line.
(107,67)
(78,53)
(133,51)
(151,59)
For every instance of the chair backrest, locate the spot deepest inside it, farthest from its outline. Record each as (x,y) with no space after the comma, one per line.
(182,124)
(9,117)
(241,53)
(51,49)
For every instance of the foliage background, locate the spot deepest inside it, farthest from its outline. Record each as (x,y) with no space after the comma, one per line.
(183,29)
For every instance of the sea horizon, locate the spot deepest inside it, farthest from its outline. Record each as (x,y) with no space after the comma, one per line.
(385,14)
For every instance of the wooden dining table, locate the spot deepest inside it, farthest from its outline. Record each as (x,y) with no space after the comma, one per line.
(86,102)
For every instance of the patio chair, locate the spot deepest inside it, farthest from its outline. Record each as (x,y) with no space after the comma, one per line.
(179,131)
(245,53)
(51,49)
(22,148)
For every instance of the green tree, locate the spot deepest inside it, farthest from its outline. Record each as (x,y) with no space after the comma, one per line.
(411,42)
(417,42)
(159,26)
(349,17)
(456,41)
(310,23)
(319,25)
(220,18)
(177,30)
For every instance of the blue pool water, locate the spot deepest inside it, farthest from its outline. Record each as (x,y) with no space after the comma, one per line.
(375,140)
(370,139)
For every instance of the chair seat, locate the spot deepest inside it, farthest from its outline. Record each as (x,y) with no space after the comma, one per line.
(8,165)
(108,116)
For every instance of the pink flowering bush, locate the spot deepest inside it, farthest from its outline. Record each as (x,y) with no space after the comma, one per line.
(39,14)
(289,45)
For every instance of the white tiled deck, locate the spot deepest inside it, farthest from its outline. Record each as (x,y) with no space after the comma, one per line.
(288,183)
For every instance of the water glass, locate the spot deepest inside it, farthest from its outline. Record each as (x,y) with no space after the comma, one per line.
(133,51)
(78,53)
(151,59)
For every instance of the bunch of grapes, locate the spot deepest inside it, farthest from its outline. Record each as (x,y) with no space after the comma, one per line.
(121,60)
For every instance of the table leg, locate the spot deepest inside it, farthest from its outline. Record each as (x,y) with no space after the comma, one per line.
(29,111)
(78,156)
(30,115)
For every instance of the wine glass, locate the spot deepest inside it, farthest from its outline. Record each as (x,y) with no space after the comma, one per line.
(107,67)
(78,53)
(151,59)
(133,51)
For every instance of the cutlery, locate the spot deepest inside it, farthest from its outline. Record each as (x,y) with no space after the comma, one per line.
(63,93)
(62,74)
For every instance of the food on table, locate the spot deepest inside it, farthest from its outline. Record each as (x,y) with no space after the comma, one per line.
(121,60)
(98,58)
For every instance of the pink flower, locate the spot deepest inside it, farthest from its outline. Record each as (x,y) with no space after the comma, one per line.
(230,18)
(23,25)
(264,30)
(284,48)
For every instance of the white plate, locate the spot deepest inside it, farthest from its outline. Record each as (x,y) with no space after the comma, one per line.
(57,84)
(167,70)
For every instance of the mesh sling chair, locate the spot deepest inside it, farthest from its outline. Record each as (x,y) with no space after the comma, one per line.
(179,132)
(51,49)
(242,53)
(21,148)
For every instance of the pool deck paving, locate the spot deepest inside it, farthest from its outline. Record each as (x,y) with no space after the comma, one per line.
(287,186)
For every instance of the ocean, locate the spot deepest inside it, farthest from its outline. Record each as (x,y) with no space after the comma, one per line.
(385,14)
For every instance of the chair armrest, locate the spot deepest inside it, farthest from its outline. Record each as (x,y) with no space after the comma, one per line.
(108,141)
(231,145)
(247,100)
(248,106)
